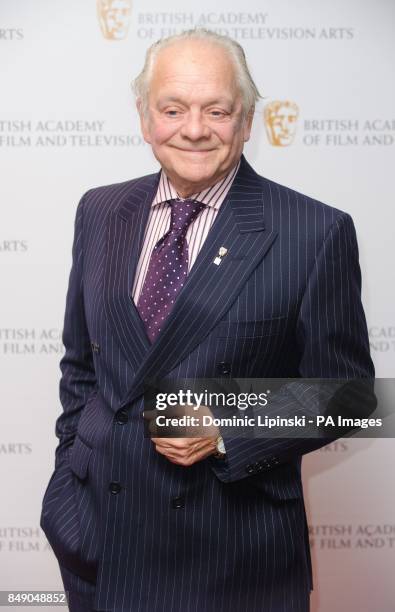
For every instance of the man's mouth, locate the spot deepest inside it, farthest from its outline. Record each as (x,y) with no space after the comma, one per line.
(196,151)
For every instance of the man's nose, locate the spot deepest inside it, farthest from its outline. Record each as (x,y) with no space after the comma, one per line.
(194,127)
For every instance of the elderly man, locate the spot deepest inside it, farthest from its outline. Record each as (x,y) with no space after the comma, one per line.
(205,269)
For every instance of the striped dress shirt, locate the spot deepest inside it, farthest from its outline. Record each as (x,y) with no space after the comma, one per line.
(159,222)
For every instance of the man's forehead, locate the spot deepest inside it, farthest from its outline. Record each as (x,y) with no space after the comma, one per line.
(179,67)
(194,73)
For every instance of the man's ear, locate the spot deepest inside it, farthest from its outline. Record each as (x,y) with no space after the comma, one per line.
(143,120)
(248,123)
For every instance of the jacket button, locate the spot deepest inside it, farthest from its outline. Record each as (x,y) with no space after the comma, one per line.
(250,469)
(177,502)
(95,347)
(121,417)
(114,488)
(224,367)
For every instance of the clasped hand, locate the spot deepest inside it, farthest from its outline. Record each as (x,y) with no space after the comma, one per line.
(192,444)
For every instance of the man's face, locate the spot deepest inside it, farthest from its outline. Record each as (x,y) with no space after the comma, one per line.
(195,121)
(114,17)
(283,125)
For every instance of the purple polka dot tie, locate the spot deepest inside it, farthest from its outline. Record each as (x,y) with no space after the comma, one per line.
(168,268)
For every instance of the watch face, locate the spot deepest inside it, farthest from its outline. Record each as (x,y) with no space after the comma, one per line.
(221,445)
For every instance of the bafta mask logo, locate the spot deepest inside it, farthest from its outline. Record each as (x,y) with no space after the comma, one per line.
(114,16)
(281,118)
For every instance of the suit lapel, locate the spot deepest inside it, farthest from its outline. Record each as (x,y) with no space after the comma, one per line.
(210,289)
(124,242)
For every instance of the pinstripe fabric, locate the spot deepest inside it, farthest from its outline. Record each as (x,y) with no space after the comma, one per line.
(285,302)
(159,222)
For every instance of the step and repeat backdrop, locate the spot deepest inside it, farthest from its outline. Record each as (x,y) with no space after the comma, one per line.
(325,127)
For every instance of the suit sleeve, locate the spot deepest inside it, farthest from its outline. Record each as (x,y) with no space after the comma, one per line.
(332,340)
(78,381)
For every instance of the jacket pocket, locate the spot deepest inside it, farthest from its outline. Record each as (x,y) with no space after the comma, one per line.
(278,489)
(80,455)
(250,329)
(68,514)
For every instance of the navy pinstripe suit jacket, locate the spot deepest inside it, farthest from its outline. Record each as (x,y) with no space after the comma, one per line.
(146,534)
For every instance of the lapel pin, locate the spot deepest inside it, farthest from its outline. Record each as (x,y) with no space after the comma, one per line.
(221,254)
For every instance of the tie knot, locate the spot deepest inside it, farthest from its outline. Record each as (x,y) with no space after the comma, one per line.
(183,212)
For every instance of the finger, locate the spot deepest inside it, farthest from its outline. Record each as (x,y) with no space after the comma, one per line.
(176,443)
(191,460)
(183,444)
(179,442)
(183,454)
(178,451)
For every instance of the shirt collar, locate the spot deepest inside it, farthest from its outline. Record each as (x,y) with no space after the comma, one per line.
(211,196)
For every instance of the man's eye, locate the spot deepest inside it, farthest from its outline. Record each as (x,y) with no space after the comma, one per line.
(171,113)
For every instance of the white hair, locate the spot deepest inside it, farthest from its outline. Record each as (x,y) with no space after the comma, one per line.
(248,89)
